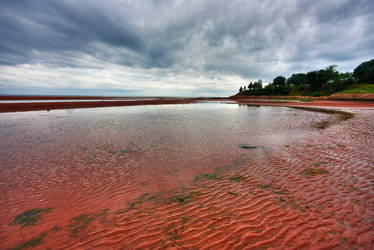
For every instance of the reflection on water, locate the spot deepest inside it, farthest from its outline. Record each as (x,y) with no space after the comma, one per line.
(86,160)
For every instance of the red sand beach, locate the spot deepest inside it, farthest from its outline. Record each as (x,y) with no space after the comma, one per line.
(173,176)
(63,102)
(116,101)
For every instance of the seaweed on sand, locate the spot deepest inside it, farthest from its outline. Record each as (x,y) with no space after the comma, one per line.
(236,178)
(313,172)
(213,176)
(272,188)
(81,222)
(183,198)
(33,242)
(141,199)
(322,124)
(341,116)
(30,217)
(246,146)
(124,151)
(233,193)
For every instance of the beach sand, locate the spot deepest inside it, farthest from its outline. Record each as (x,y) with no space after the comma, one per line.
(315,192)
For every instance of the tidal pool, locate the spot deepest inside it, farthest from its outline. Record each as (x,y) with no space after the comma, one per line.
(160,176)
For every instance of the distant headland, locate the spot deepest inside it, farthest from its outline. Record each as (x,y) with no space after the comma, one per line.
(358,84)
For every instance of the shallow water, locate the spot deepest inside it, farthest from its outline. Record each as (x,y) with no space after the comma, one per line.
(161,176)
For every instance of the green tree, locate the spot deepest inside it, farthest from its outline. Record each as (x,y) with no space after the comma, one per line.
(364,73)
(312,79)
(250,86)
(279,82)
(297,79)
(269,89)
(257,86)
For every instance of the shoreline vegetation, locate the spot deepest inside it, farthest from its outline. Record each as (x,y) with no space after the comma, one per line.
(318,83)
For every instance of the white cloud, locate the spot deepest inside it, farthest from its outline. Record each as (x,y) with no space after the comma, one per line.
(176,47)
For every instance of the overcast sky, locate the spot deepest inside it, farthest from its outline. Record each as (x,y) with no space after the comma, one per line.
(173,47)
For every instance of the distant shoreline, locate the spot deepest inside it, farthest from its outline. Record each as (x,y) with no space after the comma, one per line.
(97,102)
(68,97)
(35,106)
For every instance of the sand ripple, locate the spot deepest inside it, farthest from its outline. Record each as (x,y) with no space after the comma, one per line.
(174,177)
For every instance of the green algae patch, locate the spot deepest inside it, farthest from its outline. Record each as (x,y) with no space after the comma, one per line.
(173,171)
(245,146)
(120,211)
(183,198)
(213,177)
(33,242)
(81,222)
(264,186)
(184,219)
(236,178)
(317,164)
(340,116)
(313,172)
(102,212)
(343,115)
(138,201)
(30,217)
(322,124)
(142,198)
(56,228)
(281,199)
(272,188)
(125,151)
(233,193)
(47,140)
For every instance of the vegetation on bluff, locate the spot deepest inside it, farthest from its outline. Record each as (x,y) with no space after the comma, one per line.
(318,82)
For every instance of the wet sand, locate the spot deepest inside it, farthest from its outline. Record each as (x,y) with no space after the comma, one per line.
(300,187)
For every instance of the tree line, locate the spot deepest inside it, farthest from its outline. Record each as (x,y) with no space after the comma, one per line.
(314,83)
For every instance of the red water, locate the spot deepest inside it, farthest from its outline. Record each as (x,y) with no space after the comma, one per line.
(135,174)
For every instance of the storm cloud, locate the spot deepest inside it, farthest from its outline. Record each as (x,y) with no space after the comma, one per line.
(178,48)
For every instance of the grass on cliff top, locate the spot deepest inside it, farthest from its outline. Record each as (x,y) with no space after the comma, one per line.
(358,89)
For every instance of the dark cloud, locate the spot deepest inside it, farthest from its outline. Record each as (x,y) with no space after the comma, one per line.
(189,40)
